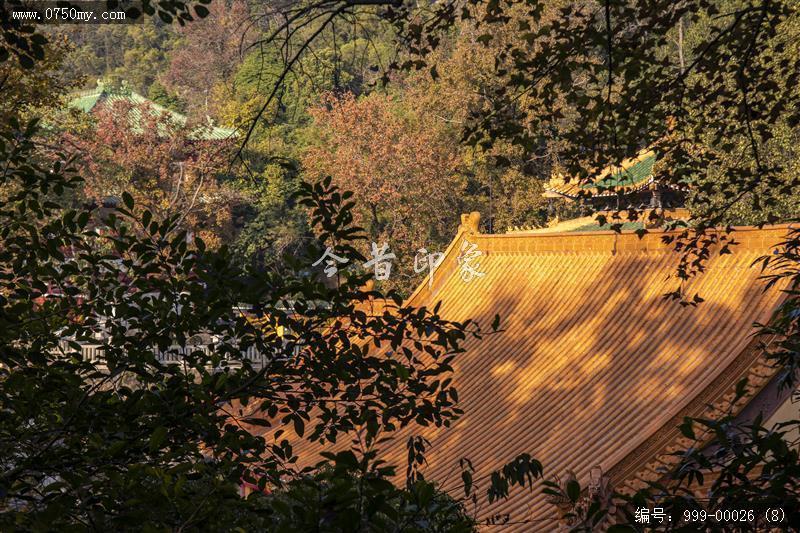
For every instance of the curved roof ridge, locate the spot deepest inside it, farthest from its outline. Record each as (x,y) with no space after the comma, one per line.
(745,237)
(446,266)
(582,243)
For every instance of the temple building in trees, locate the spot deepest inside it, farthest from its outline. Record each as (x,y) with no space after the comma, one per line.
(613,193)
(170,164)
(631,184)
(106,95)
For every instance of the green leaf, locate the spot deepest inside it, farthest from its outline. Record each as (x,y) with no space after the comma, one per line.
(741,389)
(299,425)
(127,199)
(686,428)
(346,460)
(573,490)
(157,438)
(26,61)
(466,478)
(401,371)
(425,493)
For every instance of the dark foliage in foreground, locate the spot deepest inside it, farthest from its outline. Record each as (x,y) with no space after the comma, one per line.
(124,439)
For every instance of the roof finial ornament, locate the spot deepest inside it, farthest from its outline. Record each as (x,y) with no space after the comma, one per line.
(470,223)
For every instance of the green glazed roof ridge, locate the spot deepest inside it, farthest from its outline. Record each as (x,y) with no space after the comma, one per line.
(609,226)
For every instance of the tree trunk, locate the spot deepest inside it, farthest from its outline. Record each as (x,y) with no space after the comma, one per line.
(681,58)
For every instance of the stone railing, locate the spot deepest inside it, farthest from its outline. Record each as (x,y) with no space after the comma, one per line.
(173,355)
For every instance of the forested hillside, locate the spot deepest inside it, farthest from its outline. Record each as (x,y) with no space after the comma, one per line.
(397,133)
(419,140)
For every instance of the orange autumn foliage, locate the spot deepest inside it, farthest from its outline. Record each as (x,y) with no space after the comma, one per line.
(402,166)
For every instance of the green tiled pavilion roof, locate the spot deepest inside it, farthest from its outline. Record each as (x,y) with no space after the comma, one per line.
(633,176)
(87,101)
(630,175)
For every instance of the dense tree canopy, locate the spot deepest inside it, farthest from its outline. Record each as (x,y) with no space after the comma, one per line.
(126,440)
(207,53)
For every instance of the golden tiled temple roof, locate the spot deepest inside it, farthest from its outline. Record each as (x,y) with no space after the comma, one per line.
(594,366)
